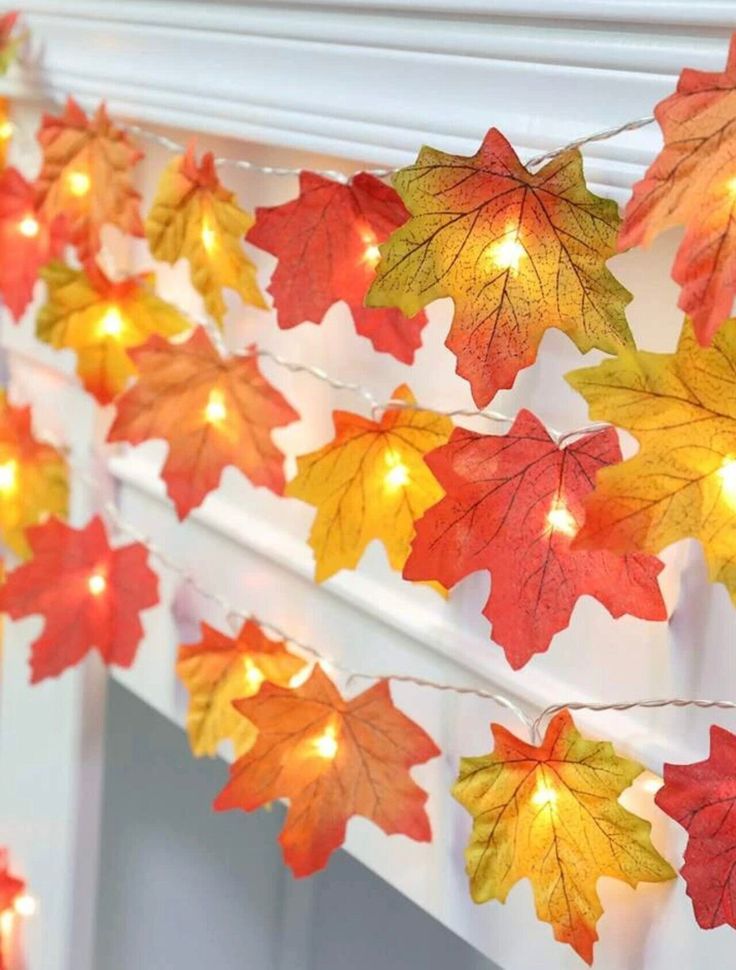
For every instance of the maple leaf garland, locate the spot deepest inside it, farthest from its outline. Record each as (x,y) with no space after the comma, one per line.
(27,240)
(326,244)
(513,505)
(702,798)
(332,759)
(194,217)
(369,483)
(692,182)
(101,320)
(518,252)
(89,594)
(551,814)
(682,483)
(33,477)
(219,670)
(212,412)
(86,176)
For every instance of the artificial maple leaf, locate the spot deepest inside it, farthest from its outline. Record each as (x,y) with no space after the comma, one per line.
(89,594)
(212,412)
(9,43)
(518,252)
(10,886)
(369,483)
(692,183)
(219,670)
(551,814)
(86,176)
(33,478)
(702,798)
(682,483)
(193,216)
(332,759)
(101,320)
(326,242)
(513,505)
(27,241)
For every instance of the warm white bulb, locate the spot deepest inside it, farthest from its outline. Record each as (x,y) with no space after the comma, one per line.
(209,237)
(111,323)
(544,795)
(97,584)
(25,906)
(6,130)
(7,918)
(216,409)
(79,183)
(28,227)
(253,675)
(560,520)
(326,744)
(397,474)
(8,476)
(727,475)
(652,784)
(507,254)
(372,254)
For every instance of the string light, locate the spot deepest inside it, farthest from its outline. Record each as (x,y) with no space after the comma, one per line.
(78,183)
(28,227)
(727,475)
(209,236)
(97,584)
(508,253)
(216,410)
(326,744)
(25,906)
(397,474)
(560,520)
(652,784)
(544,795)
(254,676)
(371,253)
(8,476)
(111,323)
(7,919)
(6,130)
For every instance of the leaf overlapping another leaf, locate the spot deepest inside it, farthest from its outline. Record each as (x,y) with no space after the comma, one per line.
(517,251)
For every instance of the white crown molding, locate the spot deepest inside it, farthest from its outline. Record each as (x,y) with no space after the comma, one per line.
(374,82)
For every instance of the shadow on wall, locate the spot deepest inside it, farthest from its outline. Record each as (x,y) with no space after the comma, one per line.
(181,888)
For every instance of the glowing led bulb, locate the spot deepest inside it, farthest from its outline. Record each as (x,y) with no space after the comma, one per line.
(372,254)
(78,183)
(727,475)
(253,675)
(6,130)
(215,410)
(209,236)
(326,744)
(8,476)
(544,795)
(561,520)
(731,185)
(507,254)
(7,917)
(652,784)
(111,323)
(397,474)
(97,584)
(28,227)
(25,906)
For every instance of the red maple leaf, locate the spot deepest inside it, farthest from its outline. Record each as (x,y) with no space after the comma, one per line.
(213,412)
(692,183)
(332,759)
(513,506)
(702,798)
(27,240)
(326,242)
(10,886)
(89,594)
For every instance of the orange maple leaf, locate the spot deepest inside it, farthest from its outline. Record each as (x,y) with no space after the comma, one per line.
(517,251)
(220,669)
(332,759)
(213,412)
(86,176)
(692,182)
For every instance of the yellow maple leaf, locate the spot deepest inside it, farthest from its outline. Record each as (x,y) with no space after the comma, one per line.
(194,217)
(370,482)
(551,814)
(34,483)
(219,670)
(681,408)
(100,320)
(517,251)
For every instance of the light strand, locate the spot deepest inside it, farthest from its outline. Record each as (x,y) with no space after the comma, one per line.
(237,616)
